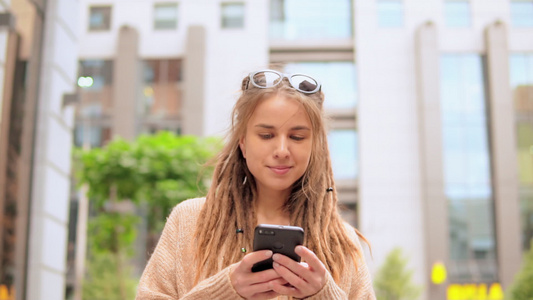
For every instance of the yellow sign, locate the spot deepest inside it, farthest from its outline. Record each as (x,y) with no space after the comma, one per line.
(7,293)
(438,273)
(475,292)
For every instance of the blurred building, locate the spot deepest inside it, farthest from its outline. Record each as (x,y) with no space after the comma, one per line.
(430,104)
(431,107)
(38,64)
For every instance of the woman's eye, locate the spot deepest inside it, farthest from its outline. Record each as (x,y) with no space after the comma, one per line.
(266,136)
(297,138)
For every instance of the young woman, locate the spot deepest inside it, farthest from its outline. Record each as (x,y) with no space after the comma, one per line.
(275,168)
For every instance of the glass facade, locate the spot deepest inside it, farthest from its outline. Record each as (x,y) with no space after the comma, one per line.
(390,13)
(338,79)
(522,13)
(467,169)
(521,77)
(457,13)
(344,153)
(319,20)
(166,16)
(232,15)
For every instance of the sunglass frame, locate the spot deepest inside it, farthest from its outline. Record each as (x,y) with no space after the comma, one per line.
(283,75)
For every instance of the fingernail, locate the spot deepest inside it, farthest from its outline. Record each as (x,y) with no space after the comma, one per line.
(298,249)
(275,264)
(275,256)
(268,253)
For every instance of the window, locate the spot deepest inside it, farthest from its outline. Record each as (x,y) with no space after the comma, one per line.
(232,15)
(319,20)
(92,115)
(467,170)
(95,74)
(457,13)
(166,16)
(522,13)
(390,13)
(338,81)
(343,151)
(86,132)
(100,18)
(521,76)
(161,95)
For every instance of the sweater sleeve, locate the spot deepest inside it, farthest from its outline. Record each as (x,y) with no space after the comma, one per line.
(163,276)
(159,276)
(330,291)
(360,285)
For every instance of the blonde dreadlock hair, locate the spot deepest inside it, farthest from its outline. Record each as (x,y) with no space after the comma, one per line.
(229,201)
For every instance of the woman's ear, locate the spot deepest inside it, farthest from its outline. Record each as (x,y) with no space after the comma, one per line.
(242,145)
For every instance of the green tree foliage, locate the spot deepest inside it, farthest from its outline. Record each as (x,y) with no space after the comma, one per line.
(154,172)
(103,282)
(158,171)
(522,287)
(393,280)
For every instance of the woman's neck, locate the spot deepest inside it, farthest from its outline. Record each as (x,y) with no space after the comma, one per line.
(270,209)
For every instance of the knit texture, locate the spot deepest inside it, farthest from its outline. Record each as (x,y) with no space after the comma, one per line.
(170,272)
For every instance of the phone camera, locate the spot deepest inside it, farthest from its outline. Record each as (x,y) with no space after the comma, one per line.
(266,232)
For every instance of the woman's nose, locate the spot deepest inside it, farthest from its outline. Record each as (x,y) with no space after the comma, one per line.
(282,150)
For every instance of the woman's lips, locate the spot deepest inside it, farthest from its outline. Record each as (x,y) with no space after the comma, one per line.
(280,170)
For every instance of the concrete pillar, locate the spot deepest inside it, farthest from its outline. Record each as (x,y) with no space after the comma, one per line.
(430,131)
(192,112)
(126,83)
(53,75)
(503,153)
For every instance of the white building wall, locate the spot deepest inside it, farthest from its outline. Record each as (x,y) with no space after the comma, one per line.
(389,187)
(52,161)
(230,54)
(390,205)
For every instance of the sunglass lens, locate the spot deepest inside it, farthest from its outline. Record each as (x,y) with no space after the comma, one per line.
(304,83)
(266,79)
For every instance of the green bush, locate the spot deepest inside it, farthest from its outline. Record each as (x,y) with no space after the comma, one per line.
(393,280)
(108,278)
(522,287)
(155,172)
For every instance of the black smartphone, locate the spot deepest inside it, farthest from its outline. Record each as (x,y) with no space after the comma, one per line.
(279,239)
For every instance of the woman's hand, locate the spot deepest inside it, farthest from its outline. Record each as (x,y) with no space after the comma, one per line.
(304,279)
(258,285)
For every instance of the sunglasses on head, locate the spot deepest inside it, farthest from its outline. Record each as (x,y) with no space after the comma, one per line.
(269,78)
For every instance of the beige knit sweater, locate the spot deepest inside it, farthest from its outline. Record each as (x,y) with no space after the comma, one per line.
(169,273)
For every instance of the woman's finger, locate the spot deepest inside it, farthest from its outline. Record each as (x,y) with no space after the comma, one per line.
(310,258)
(252,258)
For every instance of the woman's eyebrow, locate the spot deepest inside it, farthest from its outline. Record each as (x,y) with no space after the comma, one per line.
(266,126)
(300,128)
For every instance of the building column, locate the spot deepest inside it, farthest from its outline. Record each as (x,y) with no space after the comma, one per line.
(430,131)
(192,112)
(503,153)
(53,74)
(126,84)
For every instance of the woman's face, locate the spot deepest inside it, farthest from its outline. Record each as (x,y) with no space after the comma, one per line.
(277,144)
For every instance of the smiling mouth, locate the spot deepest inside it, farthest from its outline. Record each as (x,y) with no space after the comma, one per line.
(280,170)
